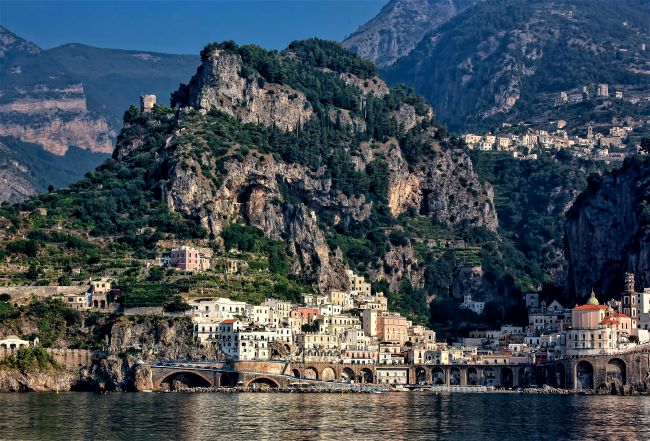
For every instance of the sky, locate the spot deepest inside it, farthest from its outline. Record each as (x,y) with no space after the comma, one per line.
(183,27)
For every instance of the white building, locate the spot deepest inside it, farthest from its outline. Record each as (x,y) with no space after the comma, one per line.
(476,307)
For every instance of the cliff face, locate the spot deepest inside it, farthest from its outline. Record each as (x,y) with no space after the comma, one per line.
(608,234)
(286,198)
(219,84)
(115,370)
(57,122)
(399,26)
(72,96)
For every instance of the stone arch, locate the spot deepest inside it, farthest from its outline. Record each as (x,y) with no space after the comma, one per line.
(310,373)
(296,373)
(526,376)
(179,380)
(420,375)
(472,376)
(328,374)
(616,377)
(365,376)
(347,374)
(490,376)
(438,375)
(560,376)
(584,375)
(507,378)
(454,376)
(263,383)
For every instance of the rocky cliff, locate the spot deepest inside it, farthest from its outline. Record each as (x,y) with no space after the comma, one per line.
(400,26)
(128,340)
(608,232)
(285,197)
(72,96)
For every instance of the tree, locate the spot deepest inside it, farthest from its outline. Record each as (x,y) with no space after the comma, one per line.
(32,272)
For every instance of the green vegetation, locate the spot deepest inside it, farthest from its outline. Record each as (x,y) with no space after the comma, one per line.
(251,239)
(530,199)
(53,317)
(576,43)
(29,359)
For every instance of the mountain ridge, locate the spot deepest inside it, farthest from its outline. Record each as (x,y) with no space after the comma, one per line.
(74,95)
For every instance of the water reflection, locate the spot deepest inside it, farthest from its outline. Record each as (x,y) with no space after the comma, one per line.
(398,416)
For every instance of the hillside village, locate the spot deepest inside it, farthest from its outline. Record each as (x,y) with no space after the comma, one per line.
(356,327)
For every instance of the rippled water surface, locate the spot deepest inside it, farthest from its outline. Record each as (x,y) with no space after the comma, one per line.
(394,416)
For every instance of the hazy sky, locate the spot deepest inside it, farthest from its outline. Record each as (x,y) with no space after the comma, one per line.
(183,26)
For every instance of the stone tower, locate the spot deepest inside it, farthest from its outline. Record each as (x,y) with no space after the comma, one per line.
(147,102)
(630,302)
(603,90)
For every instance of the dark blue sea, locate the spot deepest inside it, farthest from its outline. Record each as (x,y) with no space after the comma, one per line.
(277,416)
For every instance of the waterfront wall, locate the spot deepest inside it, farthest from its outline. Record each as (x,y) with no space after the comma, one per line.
(68,358)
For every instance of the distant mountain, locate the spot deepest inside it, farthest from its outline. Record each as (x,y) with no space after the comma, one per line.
(73,96)
(508,60)
(400,26)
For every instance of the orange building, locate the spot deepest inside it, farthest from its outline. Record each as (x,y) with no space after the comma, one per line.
(392,327)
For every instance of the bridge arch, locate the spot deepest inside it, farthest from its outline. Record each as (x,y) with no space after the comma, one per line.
(296,373)
(507,378)
(262,383)
(365,376)
(438,375)
(347,374)
(454,376)
(328,374)
(560,376)
(310,373)
(187,378)
(526,376)
(616,375)
(584,375)
(472,376)
(420,375)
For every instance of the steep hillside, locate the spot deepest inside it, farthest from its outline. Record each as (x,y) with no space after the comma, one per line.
(307,147)
(74,96)
(509,60)
(400,26)
(608,231)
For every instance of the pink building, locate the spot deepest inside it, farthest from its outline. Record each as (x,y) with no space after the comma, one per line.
(189,259)
(306,313)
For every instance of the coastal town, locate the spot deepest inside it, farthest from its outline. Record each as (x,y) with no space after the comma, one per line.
(610,142)
(355,327)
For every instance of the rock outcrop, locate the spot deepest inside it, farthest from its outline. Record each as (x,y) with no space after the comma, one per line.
(285,199)
(219,84)
(400,25)
(608,232)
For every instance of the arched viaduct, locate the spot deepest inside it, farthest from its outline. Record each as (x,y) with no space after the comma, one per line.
(606,373)
(613,373)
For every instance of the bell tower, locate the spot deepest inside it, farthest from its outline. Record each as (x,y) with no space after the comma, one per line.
(630,299)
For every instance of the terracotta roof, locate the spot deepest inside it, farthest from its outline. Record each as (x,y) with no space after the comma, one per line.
(616,314)
(589,307)
(229,321)
(609,321)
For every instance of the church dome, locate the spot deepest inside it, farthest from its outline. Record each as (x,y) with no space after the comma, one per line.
(593,300)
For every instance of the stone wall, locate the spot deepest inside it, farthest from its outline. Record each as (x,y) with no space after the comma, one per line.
(68,358)
(22,295)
